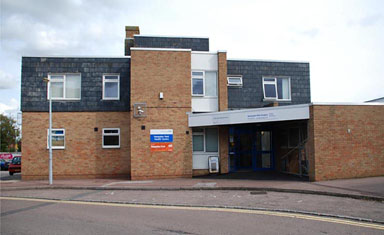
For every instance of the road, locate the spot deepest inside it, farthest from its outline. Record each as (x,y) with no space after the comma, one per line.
(32,216)
(4,175)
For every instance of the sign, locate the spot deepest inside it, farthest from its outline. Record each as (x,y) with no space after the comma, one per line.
(161,140)
(6,156)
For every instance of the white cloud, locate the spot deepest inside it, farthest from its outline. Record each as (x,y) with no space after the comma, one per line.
(7,80)
(10,108)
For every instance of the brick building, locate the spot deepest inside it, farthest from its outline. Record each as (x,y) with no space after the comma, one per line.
(170,104)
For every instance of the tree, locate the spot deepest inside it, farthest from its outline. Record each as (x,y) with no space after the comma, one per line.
(8,134)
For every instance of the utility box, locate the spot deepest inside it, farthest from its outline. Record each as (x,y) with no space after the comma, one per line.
(213,163)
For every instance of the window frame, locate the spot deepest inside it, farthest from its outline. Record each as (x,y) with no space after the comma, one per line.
(275,84)
(203,133)
(232,84)
(110,134)
(56,129)
(64,85)
(111,80)
(202,77)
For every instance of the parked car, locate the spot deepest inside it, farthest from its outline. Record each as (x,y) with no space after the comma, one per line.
(15,166)
(4,165)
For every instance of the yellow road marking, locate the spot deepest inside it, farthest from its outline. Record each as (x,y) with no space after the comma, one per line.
(258,212)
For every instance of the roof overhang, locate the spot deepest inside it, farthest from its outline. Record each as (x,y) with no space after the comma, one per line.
(259,115)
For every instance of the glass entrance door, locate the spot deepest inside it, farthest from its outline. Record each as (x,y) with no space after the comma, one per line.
(250,148)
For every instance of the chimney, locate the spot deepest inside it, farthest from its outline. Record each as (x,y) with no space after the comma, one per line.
(129,40)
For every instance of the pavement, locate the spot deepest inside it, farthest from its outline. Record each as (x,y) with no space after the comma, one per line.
(371,188)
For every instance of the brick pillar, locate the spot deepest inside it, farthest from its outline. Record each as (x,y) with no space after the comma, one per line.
(222,81)
(129,41)
(224,154)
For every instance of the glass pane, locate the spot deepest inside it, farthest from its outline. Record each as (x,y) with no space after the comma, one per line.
(197,73)
(57,77)
(235,80)
(111,131)
(270,90)
(72,86)
(283,88)
(211,141)
(198,143)
(197,86)
(210,84)
(58,132)
(111,77)
(266,160)
(111,140)
(265,141)
(269,79)
(111,90)
(57,141)
(57,89)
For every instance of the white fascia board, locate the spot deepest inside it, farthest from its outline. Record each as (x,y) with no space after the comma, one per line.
(264,60)
(76,56)
(345,103)
(167,36)
(157,49)
(205,52)
(258,115)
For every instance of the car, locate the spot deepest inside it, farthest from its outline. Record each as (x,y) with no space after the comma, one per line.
(15,166)
(4,165)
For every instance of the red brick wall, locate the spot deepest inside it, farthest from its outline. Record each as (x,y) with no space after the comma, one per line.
(339,154)
(83,156)
(169,72)
(222,83)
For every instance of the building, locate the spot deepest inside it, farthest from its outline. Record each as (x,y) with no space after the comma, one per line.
(169,104)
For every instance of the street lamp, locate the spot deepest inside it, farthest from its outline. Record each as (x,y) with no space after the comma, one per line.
(47,80)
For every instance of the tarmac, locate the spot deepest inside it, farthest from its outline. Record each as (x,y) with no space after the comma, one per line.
(371,188)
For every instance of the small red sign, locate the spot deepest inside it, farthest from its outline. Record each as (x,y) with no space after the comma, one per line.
(161,147)
(6,156)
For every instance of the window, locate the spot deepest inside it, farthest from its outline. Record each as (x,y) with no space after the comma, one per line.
(205,140)
(111,137)
(235,81)
(64,86)
(111,87)
(204,83)
(58,139)
(277,88)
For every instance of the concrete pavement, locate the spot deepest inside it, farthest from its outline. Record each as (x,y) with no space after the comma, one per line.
(371,188)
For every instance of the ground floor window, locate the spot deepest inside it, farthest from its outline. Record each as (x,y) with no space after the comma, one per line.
(205,140)
(111,137)
(58,138)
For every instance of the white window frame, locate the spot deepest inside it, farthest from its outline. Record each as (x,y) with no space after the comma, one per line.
(202,133)
(198,77)
(112,80)
(275,84)
(64,85)
(56,147)
(235,84)
(110,134)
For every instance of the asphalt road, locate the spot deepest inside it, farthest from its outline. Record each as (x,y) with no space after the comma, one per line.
(68,217)
(4,175)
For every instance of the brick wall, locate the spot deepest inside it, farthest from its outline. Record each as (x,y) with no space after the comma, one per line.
(222,81)
(340,154)
(196,44)
(83,156)
(168,72)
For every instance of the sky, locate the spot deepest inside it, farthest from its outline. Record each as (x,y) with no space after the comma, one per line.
(342,40)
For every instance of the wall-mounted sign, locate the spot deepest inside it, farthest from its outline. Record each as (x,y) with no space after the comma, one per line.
(161,140)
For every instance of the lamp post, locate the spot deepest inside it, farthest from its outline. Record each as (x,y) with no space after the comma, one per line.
(50,130)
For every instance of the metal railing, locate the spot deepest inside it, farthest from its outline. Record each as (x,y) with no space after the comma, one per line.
(302,159)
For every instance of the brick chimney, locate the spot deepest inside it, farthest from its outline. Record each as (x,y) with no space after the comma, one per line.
(129,41)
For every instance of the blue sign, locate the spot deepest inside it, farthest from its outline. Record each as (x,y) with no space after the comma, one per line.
(161,135)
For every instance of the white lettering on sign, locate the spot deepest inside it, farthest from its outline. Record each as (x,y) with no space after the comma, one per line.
(261,116)
(220,119)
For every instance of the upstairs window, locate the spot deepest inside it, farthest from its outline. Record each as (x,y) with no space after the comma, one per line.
(236,81)
(64,86)
(111,87)
(204,83)
(277,88)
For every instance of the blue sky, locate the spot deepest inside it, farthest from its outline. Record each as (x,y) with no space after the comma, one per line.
(342,40)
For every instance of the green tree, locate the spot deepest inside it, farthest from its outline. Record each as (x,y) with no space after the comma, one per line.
(8,134)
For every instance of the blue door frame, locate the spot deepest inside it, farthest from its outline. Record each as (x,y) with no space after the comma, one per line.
(255,151)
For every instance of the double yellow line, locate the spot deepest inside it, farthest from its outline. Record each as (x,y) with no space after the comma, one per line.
(246,211)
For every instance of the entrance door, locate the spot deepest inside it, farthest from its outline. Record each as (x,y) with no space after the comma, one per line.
(250,149)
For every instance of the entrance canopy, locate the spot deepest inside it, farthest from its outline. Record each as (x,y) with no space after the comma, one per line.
(259,115)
